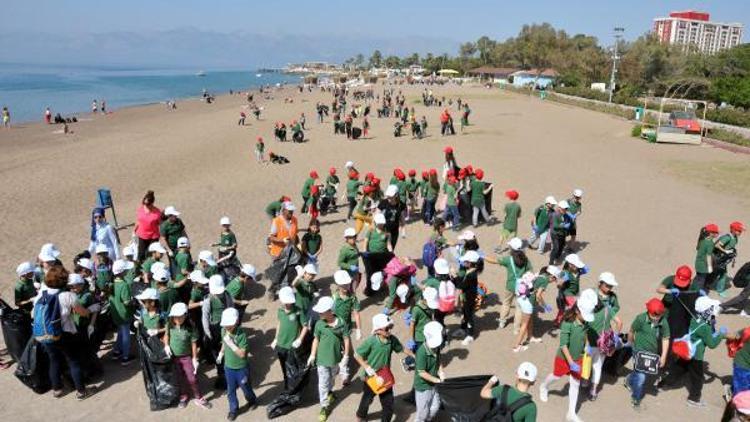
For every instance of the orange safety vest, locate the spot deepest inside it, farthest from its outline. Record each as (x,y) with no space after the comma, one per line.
(282,231)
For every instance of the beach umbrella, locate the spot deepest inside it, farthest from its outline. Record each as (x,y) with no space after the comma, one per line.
(448,72)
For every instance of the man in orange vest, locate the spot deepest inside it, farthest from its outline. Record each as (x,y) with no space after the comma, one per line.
(283,230)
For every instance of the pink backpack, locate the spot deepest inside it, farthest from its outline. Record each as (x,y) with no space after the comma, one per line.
(447,297)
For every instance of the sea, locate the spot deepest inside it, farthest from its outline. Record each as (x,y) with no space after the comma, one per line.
(28,89)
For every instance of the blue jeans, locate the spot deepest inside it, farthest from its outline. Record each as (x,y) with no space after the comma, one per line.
(451,211)
(636,380)
(429,210)
(238,378)
(56,352)
(740,379)
(122,344)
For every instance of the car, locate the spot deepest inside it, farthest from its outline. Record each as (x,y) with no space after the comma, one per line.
(685,120)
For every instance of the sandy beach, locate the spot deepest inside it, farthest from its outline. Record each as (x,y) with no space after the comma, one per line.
(642,213)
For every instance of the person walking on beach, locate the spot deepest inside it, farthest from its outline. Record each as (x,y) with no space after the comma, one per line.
(94,107)
(540,224)
(428,371)
(6,117)
(104,107)
(283,231)
(234,350)
(516,265)
(479,190)
(102,233)
(649,335)
(259,149)
(512,214)
(704,248)
(241,122)
(148,218)
(48,116)
(306,187)
(723,253)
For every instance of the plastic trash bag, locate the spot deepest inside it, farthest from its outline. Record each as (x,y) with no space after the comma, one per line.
(281,272)
(16,329)
(298,374)
(159,375)
(33,368)
(461,400)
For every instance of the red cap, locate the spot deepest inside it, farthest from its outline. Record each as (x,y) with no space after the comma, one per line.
(448,150)
(353,174)
(452,180)
(401,176)
(712,228)
(682,276)
(433,171)
(469,169)
(375,181)
(332,171)
(285,198)
(450,173)
(425,174)
(314,174)
(479,173)
(412,173)
(368,189)
(737,226)
(655,307)
(511,194)
(260,139)
(369,176)
(462,174)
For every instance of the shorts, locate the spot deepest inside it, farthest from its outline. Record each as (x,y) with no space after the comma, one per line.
(561,368)
(573,229)
(507,234)
(527,308)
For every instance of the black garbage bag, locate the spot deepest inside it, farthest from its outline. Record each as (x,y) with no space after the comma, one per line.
(282,272)
(613,364)
(33,367)
(461,400)
(374,262)
(102,327)
(158,372)
(298,374)
(16,329)
(742,277)
(356,132)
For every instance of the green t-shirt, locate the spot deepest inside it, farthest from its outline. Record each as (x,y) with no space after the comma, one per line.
(727,241)
(119,302)
(85,299)
(146,265)
(312,242)
(348,256)
(668,283)
(236,288)
(574,207)
(184,264)
(290,325)
(210,271)
(450,195)
(25,290)
(742,358)
(525,413)
(377,241)
(648,334)
(705,248)
(541,219)
(703,337)
(513,272)
(197,294)
(352,187)
(421,314)
(412,185)
(431,192)
(572,284)
(330,342)
(231,359)
(603,317)
(428,361)
(512,212)
(330,187)
(306,187)
(227,239)
(363,205)
(168,297)
(172,232)
(540,283)
(477,192)
(103,277)
(304,294)
(215,310)
(273,208)
(153,321)
(377,352)
(343,307)
(573,335)
(181,340)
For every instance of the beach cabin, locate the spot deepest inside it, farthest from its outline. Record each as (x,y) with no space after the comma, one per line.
(498,75)
(543,79)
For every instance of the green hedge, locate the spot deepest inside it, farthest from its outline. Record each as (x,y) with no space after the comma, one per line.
(729,117)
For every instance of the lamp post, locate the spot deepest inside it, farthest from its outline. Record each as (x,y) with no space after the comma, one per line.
(615,57)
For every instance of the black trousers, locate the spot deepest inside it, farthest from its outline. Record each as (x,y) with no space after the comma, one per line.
(739,301)
(694,370)
(352,205)
(386,402)
(143,245)
(394,238)
(558,245)
(467,320)
(283,355)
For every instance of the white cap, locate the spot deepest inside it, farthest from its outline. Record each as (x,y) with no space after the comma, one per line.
(183,242)
(216,284)
(381,321)
(515,244)
(197,277)
(578,193)
(248,270)
(563,204)
(470,256)
(310,269)
(550,200)
(160,275)
(342,278)
(553,270)
(401,291)
(608,278)
(527,371)
(349,164)
(325,304)
(85,263)
(48,252)
(170,210)
(441,266)
(229,317)
(158,266)
(574,260)
(350,232)
(705,304)
(128,250)
(379,219)
(148,294)
(24,268)
(208,257)
(391,191)
(430,296)
(225,221)
(289,206)
(467,235)
(101,248)
(433,334)
(120,266)
(376,280)
(586,304)
(286,295)
(157,247)
(75,279)
(178,309)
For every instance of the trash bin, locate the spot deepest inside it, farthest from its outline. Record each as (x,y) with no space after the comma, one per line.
(542,95)
(639,113)
(104,198)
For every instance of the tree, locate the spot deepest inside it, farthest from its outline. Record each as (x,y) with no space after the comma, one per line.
(392,62)
(359,60)
(376,59)
(411,60)
(467,50)
(484,46)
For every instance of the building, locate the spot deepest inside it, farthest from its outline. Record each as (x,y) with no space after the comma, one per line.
(534,77)
(693,29)
(499,75)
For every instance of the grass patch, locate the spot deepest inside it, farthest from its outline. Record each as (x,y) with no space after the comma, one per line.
(728,136)
(720,176)
(636,131)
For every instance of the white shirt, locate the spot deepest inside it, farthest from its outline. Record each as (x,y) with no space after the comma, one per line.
(105,235)
(67,301)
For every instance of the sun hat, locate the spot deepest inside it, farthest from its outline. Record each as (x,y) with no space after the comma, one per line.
(574,260)
(120,266)
(289,206)
(379,219)
(391,191)
(578,193)
(178,309)
(225,221)
(342,278)
(381,321)
(157,266)
(286,295)
(85,263)
(101,248)
(314,174)
(248,270)
(128,250)
(216,285)
(655,306)
(157,247)
(430,296)
(310,269)
(527,371)
(553,270)
(183,242)
(350,232)
(208,257)
(705,304)
(376,280)
(161,276)
(683,276)
(170,210)
(148,294)
(441,266)
(467,235)
(325,304)
(448,150)
(515,244)
(433,334)
(197,277)
(349,164)
(470,256)
(402,291)
(563,204)
(49,252)
(24,268)
(608,278)
(75,279)
(586,303)
(229,317)
(550,200)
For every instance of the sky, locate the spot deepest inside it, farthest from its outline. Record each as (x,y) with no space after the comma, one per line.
(74,26)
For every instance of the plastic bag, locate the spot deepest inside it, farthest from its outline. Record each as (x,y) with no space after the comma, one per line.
(461,400)
(33,368)
(158,371)
(298,374)
(16,329)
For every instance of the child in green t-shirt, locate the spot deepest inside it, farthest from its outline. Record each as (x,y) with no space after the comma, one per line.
(181,341)
(512,213)
(346,307)
(312,242)
(331,337)
(234,352)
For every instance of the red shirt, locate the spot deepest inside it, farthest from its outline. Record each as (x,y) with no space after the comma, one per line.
(147,222)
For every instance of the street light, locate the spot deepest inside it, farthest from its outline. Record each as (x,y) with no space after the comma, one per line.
(615,57)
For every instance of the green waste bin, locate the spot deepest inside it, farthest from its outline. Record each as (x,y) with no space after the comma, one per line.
(639,113)
(543,94)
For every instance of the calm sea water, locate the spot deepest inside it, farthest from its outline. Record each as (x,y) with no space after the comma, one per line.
(27,90)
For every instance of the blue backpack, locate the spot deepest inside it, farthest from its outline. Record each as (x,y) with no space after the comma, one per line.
(429,255)
(47,320)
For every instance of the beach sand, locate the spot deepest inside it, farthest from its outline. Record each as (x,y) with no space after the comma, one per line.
(640,221)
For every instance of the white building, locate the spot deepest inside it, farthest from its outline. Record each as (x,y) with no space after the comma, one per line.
(694,30)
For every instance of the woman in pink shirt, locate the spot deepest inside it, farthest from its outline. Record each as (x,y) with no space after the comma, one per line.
(148,218)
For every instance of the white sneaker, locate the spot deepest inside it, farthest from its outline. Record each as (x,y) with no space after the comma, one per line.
(503,323)
(572,417)
(744,314)
(522,348)
(543,394)
(467,340)
(535,340)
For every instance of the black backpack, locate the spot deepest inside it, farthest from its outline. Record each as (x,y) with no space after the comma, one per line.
(500,411)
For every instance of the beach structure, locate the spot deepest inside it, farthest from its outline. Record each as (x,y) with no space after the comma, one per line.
(535,77)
